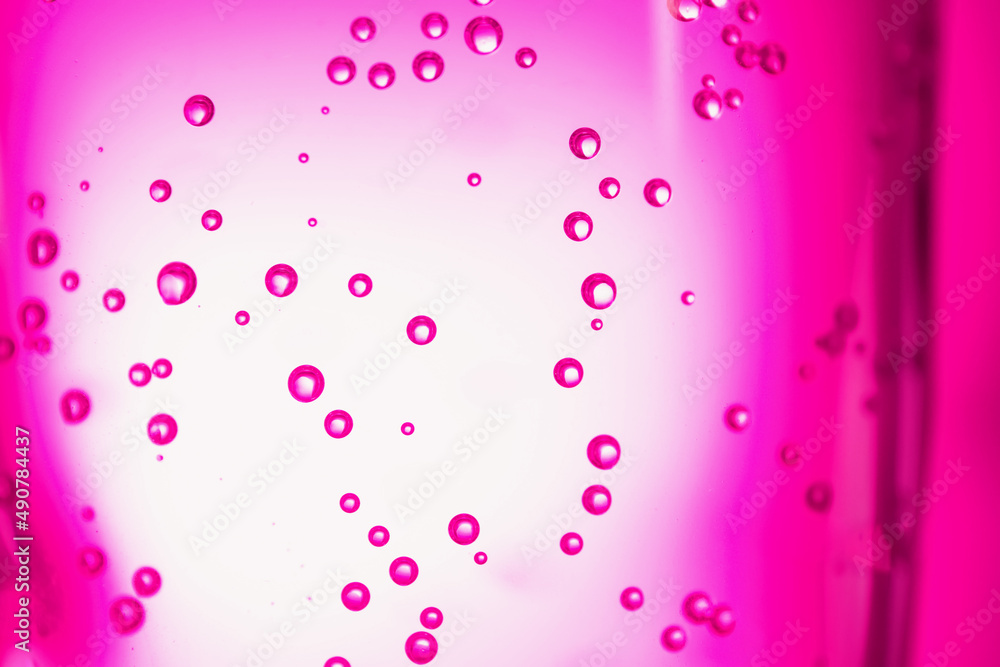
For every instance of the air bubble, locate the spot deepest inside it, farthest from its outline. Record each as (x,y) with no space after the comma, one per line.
(631,598)
(381,75)
(428,66)
(673,638)
(74,406)
(338,424)
(421,330)
(360,284)
(162,368)
(211,220)
(139,374)
(42,248)
(684,10)
(585,143)
(749,11)
(403,571)
(69,280)
(305,383)
(697,607)
(609,187)
(772,58)
(281,280)
(146,581)
(603,452)
(434,25)
(571,544)
(723,622)
(355,596)
(731,35)
(363,29)
(568,372)
(734,98)
(378,536)
(578,226)
(737,418)
(483,35)
(92,561)
(480,558)
(162,429)
(127,615)
(708,104)
(597,499)
(463,529)
(341,70)
(421,647)
(687,298)
(199,110)
(349,502)
(431,618)
(747,55)
(525,57)
(598,291)
(657,192)
(176,283)
(474,179)
(242,317)
(160,190)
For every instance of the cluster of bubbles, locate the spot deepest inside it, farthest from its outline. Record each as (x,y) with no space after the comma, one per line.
(697,608)
(139,374)
(598,289)
(771,56)
(127,613)
(421,647)
(483,36)
(708,103)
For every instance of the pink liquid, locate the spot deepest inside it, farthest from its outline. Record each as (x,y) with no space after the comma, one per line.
(802,461)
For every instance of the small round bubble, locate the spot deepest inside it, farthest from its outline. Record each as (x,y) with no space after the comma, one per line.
(434,26)
(199,110)
(160,190)
(483,35)
(381,75)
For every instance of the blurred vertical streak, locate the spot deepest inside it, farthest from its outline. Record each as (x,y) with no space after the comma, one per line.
(903,294)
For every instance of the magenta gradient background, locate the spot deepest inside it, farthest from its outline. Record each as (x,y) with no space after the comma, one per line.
(497,343)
